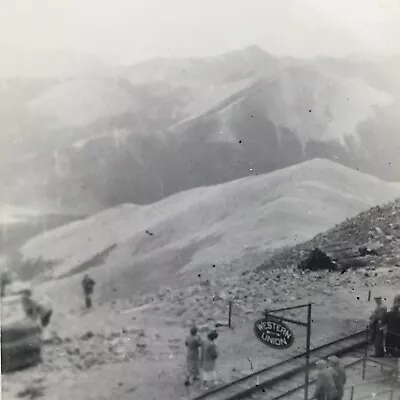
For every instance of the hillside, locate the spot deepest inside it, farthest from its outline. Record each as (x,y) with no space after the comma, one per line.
(136,248)
(142,133)
(263,125)
(64,104)
(124,343)
(379,226)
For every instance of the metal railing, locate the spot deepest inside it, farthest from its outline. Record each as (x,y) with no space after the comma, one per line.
(358,392)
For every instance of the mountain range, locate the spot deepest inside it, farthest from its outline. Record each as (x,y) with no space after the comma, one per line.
(82,135)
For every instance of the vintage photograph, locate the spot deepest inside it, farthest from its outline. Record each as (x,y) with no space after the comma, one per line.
(200,200)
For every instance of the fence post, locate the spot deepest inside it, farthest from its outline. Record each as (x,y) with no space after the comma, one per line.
(398,370)
(369,295)
(230,314)
(352,393)
(366,354)
(391,394)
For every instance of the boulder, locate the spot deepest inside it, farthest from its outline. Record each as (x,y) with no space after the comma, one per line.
(318,260)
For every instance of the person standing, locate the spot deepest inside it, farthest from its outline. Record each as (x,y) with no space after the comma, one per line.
(377,323)
(5,280)
(29,306)
(396,300)
(193,344)
(34,309)
(209,357)
(325,387)
(88,286)
(392,328)
(339,376)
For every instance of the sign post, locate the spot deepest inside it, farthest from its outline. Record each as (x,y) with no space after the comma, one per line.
(274,333)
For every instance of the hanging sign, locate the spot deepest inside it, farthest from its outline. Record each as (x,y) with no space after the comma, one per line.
(274,333)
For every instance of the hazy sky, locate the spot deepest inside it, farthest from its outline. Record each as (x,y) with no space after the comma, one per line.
(130,30)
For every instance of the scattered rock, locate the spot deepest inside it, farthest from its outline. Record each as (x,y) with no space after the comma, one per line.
(88,335)
(31,392)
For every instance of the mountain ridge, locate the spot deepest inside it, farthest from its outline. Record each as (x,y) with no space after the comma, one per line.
(166,137)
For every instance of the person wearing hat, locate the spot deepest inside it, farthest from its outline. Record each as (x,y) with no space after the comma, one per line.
(339,376)
(193,344)
(377,326)
(209,355)
(325,387)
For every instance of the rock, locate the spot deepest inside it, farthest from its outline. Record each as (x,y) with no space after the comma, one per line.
(88,335)
(203,328)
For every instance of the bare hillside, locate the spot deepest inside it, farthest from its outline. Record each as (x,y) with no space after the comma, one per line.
(134,248)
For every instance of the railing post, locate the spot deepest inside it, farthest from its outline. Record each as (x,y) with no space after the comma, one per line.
(398,370)
(230,315)
(307,372)
(365,354)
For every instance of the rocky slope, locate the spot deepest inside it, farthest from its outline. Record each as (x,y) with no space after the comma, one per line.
(379,226)
(279,282)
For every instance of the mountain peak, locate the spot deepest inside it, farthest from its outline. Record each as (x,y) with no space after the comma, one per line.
(252,51)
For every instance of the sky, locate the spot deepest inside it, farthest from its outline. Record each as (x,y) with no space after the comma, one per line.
(126,31)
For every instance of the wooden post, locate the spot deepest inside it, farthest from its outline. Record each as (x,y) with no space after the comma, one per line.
(366,354)
(398,369)
(230,315)
(352,393)
(306,378)
(369,295)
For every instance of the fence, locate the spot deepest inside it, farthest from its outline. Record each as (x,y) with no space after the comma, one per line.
(373,390)
(390,394)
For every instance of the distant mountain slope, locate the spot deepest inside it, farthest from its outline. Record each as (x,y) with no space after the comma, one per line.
(83,101)
(140,247)
(85,132)
(231,66)
(21,63)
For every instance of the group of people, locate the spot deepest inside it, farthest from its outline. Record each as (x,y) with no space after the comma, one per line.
(37,311)
(331,380)
(385,328)
(201,355)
